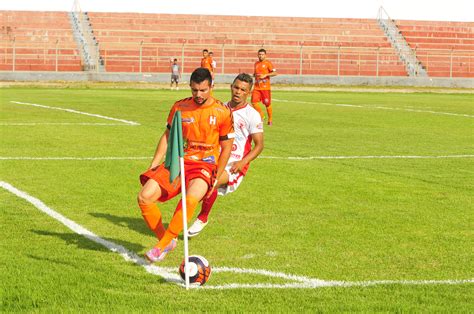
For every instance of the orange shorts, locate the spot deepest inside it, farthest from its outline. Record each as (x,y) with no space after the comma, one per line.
(192,170)
(264,96)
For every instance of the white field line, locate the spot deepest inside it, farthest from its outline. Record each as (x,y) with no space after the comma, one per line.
(377,107)
(59,123)
(367,157)
(75,158)
(76,111)
(167,273)
(126,254)
(260,157)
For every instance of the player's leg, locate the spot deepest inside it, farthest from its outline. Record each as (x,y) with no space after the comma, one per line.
(207,204)
(256,98)
(267,101)
(150,192)
(195,191)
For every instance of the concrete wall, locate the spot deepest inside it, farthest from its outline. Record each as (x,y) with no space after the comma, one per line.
(281,79)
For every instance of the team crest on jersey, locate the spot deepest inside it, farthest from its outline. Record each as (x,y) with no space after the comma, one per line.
(234,147)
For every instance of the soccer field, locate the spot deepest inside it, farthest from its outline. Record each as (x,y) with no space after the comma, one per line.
(359,202)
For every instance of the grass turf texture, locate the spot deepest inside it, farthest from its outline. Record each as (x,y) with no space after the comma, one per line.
(353,220)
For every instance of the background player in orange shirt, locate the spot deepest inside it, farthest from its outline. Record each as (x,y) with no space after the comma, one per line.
(263,70)
(208,135)
(206,61)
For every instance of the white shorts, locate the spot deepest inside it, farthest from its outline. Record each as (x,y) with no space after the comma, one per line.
(234,181)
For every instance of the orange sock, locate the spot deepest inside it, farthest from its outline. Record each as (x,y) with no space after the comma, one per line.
(176,223)
(270,113)
(257,107)
(152,215)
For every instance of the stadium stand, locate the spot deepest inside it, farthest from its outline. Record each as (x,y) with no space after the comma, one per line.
(446,49)
(37,41)
(137,42)
(326,46)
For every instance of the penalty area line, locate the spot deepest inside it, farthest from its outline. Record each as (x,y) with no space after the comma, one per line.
(260,157)
(76,111)
(299,282)
(60,123)
(366,106)
(367,157)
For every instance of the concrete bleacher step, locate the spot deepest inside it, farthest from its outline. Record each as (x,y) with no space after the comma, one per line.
(39,37)
(444,48)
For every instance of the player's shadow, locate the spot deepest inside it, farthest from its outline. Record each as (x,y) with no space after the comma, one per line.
(136,224)
(92,242)
(95,243)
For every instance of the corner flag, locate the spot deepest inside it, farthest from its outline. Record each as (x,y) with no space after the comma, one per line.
(174,162)
(175,146)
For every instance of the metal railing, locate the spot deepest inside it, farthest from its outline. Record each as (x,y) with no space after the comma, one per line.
(300,59)
(406,54)
(47,56)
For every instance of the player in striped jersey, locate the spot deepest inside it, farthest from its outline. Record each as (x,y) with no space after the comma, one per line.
(248,128)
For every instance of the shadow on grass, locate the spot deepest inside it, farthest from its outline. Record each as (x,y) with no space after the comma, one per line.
(94,243)
(136,224)
(90,242)
(51,260)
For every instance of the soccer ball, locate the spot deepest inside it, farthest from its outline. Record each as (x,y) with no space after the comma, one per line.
(199,270)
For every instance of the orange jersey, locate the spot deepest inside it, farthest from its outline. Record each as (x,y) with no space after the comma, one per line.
(207,63)
(203,127)
(263,67)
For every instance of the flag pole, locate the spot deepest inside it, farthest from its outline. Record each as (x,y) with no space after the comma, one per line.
(176,167)
(185,223)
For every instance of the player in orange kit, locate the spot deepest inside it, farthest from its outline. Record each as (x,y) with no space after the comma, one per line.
(208,135)
(263,70)
(206,61)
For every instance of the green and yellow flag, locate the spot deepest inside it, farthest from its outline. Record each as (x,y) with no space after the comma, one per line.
(175,147)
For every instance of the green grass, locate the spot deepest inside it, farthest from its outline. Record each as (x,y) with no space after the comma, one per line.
(331,219)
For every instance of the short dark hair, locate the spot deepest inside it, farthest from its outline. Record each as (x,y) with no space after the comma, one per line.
(262,50)
(210,52)
(200,75)
(175,59)
(244,77)
(205,50)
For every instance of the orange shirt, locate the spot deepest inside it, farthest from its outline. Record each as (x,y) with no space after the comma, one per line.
(207,63)
(263,67)
(203,127)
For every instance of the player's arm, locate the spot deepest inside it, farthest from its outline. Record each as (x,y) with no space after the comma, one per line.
(257,139)
(226,139)
(226,149)
(271,74)
(160,149)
